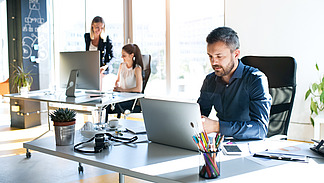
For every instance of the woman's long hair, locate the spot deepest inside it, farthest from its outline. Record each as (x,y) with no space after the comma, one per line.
(98,19)
(137,59)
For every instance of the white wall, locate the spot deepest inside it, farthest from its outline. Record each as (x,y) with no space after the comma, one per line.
(284,28)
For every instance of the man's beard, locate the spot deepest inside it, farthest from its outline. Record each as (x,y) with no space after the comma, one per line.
(224,71)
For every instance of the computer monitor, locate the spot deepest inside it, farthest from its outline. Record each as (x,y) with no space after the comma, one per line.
(79,70)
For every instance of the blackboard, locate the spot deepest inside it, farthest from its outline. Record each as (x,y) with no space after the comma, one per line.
(35,39)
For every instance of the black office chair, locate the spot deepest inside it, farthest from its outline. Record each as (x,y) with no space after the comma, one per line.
(281,73)
(146,70)
(146,75)
(136,108)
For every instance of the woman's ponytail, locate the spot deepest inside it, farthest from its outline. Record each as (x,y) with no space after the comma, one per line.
(137,59)
(137,56)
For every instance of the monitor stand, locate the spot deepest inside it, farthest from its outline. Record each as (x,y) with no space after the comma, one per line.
(70,89)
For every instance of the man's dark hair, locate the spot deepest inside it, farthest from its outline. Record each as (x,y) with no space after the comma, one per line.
(225,35)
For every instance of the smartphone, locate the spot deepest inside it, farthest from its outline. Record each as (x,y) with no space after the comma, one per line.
(231,149)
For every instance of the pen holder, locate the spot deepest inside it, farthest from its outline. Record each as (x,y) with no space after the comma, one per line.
(210,165)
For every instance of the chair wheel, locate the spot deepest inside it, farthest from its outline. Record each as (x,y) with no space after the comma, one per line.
(28,154)
(80,168)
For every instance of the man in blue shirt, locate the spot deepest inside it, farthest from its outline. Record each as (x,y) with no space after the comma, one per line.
(239,93)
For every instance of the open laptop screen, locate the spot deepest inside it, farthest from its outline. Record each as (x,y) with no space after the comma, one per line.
(169,122)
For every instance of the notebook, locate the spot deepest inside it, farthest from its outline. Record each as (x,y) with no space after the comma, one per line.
(169,122)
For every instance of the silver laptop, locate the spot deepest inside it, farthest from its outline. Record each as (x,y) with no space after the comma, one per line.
(169,122)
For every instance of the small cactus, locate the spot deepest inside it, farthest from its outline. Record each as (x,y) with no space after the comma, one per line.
(63,115)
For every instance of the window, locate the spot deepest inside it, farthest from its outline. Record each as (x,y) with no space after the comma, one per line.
(149,34)
(189,29)
(69,28)
(190,22)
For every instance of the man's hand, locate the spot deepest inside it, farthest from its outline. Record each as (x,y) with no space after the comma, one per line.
(210,125)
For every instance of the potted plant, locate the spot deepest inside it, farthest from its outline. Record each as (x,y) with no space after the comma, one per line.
(64,125)
(316,93)
(22,79)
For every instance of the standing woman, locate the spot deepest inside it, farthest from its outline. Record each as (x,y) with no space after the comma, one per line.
(95,41)
(129,78)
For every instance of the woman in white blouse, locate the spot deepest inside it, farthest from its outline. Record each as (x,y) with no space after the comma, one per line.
(129,78)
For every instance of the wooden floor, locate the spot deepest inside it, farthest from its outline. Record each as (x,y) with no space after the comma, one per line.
(12,139)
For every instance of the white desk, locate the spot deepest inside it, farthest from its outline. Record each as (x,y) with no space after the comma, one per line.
(160,163)
(86,100)
(98,101)
(94,100)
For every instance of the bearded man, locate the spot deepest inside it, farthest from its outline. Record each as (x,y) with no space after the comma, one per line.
(239,93)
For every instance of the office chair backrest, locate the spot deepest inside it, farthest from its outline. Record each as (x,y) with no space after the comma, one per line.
(146,70)
(4,87)
(281,73)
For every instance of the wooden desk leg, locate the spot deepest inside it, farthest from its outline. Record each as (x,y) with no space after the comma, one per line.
(121,178)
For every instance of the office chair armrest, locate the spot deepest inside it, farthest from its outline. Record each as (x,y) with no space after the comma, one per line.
(135,101)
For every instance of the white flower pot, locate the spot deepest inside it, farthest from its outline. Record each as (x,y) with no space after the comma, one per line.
(23,90)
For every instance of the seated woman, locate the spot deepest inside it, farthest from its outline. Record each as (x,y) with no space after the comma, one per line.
(129,78)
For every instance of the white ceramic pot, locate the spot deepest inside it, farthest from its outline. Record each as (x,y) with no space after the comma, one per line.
(23,90)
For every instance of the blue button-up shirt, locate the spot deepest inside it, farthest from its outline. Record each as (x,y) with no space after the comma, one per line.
(242,105)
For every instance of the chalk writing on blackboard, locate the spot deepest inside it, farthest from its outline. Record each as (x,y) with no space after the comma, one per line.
(34,41)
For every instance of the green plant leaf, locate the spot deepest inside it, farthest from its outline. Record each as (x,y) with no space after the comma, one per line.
(322,97)
(307,93)
(312,120)
(315,110)
(63,115)
(314,86)
(313,107)
(21,78)
(316,93)
(320,86)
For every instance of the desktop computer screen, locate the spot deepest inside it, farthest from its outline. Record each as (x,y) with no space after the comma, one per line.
(80,70)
